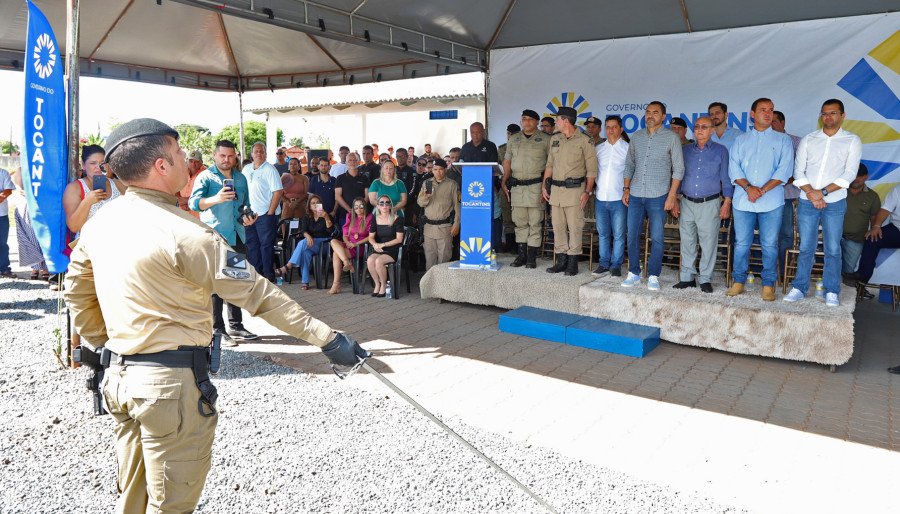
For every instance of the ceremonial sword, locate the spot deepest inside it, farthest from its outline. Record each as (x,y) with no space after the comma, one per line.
(363,364)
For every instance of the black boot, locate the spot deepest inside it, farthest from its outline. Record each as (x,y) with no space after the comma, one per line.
(531,261)
(572,268)
(560,264)
(521,258)
(511,245)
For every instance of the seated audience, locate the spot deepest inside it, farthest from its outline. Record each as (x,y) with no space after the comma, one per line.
(355,234)
(316,229)
(385,236)
(389,185)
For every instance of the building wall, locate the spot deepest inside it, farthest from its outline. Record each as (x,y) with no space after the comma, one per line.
(390,124)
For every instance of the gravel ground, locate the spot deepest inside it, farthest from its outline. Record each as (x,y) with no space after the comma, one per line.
(286,442)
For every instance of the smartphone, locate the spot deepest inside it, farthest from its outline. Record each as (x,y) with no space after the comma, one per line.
(429,186)
(228,184)
(99,182)
(320,207)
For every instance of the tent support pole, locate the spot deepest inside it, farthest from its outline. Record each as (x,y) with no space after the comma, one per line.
(72,74)
(241,118)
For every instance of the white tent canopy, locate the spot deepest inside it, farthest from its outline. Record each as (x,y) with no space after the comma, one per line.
(269,44)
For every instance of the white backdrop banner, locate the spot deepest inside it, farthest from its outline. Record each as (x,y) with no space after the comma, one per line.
(797,65)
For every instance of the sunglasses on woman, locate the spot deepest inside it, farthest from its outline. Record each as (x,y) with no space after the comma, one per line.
(383,203)
(359,206)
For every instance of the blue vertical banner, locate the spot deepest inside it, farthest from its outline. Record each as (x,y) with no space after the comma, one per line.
(477,213)
(45,149)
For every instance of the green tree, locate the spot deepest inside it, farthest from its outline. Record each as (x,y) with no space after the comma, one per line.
(296,141)
(253,131)
(8,148)
(195,137)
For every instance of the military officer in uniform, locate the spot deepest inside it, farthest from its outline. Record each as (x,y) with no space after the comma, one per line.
(571,171)
(592,127)
(139,285)
(523,169)
(439,197)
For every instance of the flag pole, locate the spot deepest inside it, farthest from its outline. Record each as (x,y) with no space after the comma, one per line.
(73,72)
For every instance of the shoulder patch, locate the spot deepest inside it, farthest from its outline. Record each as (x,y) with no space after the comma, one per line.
(556,143)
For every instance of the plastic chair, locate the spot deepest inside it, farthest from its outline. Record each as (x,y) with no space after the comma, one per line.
(286,236)
(409,234)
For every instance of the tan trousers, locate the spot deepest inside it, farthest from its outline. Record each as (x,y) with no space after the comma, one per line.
(568,225)
(163,444)
(506,213)
(528,224)
(437,250)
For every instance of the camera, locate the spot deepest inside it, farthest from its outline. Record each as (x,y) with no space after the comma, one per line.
(247,213)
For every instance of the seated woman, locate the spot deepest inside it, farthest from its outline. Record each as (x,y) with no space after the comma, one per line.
(356,233)
(385,236)
(316,228)
(388,184)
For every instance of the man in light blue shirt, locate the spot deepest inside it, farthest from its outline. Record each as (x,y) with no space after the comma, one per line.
(761,161)
(220,208)
(266,190)
(718,113)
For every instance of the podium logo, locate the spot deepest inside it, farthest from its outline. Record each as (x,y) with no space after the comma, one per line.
(573,100)
(474,246)
(476,189)
(44,56)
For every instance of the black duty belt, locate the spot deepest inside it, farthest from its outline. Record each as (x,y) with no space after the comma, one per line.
(702,200)
(197,358)
(514,182)
(568,183)
(448,219)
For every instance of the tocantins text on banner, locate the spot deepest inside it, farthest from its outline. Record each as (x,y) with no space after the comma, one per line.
(798,65)
(44,155)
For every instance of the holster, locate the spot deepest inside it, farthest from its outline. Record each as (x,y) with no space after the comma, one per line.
(91,359)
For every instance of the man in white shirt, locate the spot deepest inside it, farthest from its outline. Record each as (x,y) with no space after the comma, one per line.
(340,168)
(266,190)
(610,213)
(827,161)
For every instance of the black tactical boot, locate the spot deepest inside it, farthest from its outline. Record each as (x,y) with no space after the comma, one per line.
(560,264)
(521,258)
(572,268)
(511,245)
(531,261)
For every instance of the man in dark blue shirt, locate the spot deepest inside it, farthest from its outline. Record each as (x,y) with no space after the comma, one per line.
(705,200)
(478,149)
(323,185)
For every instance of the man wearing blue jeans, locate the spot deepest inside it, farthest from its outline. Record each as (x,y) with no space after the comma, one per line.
(863,205)
(827,161)
(266,190)
(760,162)
(654,167)
(609,210)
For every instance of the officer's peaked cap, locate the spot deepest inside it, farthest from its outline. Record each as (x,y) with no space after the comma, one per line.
(137,128)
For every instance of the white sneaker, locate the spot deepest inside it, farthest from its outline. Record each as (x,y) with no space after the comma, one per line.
(794,296)
(631,280)
(831,299)
(653,283)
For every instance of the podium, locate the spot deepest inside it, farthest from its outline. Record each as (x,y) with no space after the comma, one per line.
(477,213)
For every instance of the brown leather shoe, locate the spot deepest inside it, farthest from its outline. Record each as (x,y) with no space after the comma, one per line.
(735,289)
(768,293)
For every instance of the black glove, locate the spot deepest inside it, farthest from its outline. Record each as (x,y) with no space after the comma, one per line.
(343,351)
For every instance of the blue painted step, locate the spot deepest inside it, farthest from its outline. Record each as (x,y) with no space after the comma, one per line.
(613,336)
(595,333)
(537,323)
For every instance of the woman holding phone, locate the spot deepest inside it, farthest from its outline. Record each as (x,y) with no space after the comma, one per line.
(385,236)
(316,228)
(84,197)
(355,235)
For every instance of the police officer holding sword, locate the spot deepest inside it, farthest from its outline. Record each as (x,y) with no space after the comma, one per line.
(139,288)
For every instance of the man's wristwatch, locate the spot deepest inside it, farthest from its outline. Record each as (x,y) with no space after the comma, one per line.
(824,192)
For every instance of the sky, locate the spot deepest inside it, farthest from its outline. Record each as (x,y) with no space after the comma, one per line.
(107,101)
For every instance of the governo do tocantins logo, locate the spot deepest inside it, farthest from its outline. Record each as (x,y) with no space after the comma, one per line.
(573,100)
(476,189)
(44,56)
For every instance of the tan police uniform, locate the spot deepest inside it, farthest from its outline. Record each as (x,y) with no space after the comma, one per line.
(509,225)
(443,201)
(571,157)
(140,281)
(527,158)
